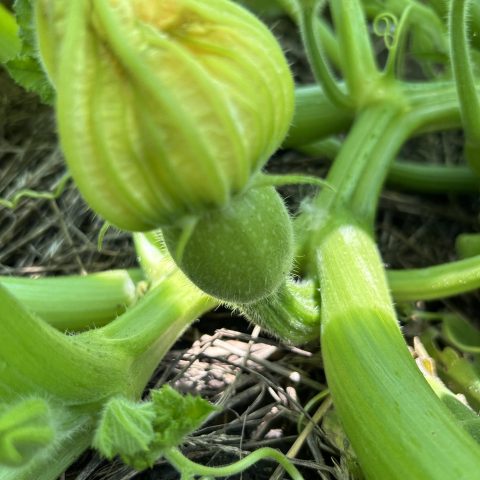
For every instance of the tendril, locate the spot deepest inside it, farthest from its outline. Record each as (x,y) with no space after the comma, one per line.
(394,33)
(385,25)
(15,199)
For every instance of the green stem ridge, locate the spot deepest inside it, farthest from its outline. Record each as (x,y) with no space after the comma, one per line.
(358,173)
(356,53)
(429,107)
(435,282)
(356,155)
(463,72)
(290,313)
(79,301)
(397,426)
(315,117)
(310,35)
(131,346)
(408,175)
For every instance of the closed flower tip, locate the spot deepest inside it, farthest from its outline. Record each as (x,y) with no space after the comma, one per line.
(165,109)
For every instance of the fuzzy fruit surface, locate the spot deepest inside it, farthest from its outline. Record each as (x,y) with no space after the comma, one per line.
(240,253)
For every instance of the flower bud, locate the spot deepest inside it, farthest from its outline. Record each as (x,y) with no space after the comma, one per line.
(165,108)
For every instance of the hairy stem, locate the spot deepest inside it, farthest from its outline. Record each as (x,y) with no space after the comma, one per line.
(397,425)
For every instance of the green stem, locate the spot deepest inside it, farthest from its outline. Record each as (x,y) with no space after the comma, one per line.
(280,180)
(397,426)
(356,53)
(409,176)
(364,159)
(312,42)
(463,72)
(34,356)
(290,313)
(146,332)
(359,169)
(441,7)
(432,107)
(328,41)
(432,178)
(435,282)
(315,117)
(365,199)
(75,302)
(186,466)
(326,37)
(467,245)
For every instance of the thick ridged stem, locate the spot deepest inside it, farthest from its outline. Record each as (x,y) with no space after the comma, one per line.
(290,313)
(75,302)
(408,175)
(315,117)
(356,52)
(433,107)
(463,72)
(397,425)
(96,364)
(308,25)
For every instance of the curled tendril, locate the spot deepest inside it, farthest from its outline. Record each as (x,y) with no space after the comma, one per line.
(393,31)
(15,199)
(101,235)
(385,25)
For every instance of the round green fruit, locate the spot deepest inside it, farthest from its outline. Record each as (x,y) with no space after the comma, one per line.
(240,253)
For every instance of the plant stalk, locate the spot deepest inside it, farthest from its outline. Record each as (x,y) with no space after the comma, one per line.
(397,425)
(75,302)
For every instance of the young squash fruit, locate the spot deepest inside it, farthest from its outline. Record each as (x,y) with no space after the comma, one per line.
(240,253)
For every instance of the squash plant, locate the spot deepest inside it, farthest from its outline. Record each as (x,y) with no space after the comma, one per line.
(167,113)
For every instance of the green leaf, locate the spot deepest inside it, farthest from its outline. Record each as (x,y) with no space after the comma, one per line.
(9,41)
(26,68)
(125,429)
(473,428)
(27,72)
(176,415)
(24,14)
(460,333)
(140,432)
(467,245)
(25,429)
